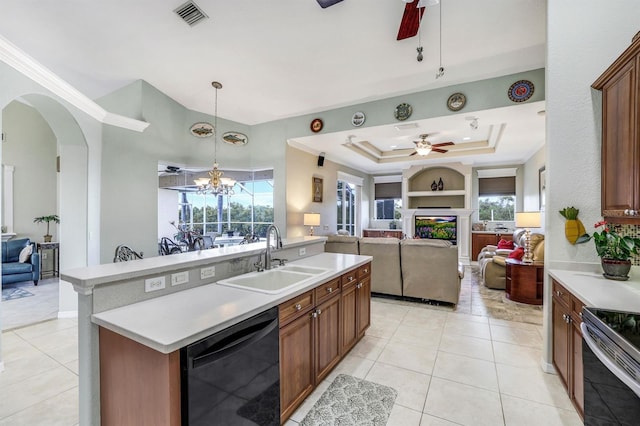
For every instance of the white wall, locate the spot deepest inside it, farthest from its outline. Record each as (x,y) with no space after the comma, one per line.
(31,147)
(583,39)
(167,212)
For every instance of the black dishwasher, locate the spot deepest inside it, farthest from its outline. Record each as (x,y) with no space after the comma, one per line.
(233,377)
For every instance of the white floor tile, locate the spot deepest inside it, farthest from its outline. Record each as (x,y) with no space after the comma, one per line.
(532,384)
(308,403)
(369,347)
(411,386)
(403,416)
(410,357)
(20,369)
(467,328)
(428,420)
(56,339)
(59,410)
(428,338)
(520,412)
(463,404)
(468,317)
(470,371)
(353,365)
(516,336)
(468,346)
(517,356)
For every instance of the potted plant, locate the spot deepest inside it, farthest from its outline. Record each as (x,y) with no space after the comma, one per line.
(48,219)
(615,250)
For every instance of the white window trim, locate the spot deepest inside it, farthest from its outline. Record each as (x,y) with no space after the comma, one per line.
(493,173)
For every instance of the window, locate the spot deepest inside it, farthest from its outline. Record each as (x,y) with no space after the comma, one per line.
(347,207)
(388,200)
(497,198)
(248,211)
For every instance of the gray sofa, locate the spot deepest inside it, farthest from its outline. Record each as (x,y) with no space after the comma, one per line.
(14,271)
(418,269)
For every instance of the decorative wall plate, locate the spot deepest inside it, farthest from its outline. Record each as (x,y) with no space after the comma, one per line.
(316,125)
(520,91)
(358,119)
(456,101)
(235,138)
(403,111)
(202,130)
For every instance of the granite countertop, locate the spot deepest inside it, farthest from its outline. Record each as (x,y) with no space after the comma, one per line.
(170,322)
(599,292)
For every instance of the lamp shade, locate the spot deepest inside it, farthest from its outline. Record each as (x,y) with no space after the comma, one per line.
(528,220)
(312,219)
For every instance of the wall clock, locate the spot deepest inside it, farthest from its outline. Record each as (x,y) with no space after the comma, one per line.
(316,125)
(456,101)
(403,111)
(358,119)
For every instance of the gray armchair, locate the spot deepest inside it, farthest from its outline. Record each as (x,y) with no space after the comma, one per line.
(13,270)
(385,267)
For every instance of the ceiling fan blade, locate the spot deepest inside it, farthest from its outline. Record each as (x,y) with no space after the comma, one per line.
(326,3)
(441,151)
(410,20)
(443,144)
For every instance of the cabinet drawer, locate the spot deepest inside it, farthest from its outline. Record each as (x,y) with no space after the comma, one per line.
(364,271)
(561,294)
(350,277)
(576,309)
(295,307)
(327,289)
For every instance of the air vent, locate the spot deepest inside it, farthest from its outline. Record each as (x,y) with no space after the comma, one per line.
(191,13)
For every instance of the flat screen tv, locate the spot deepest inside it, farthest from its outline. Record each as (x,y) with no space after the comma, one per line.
(437,227)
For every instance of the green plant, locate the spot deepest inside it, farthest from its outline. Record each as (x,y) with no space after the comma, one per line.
(47,219)
(611,245)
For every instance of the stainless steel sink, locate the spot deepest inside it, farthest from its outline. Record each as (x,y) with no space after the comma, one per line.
(274,281)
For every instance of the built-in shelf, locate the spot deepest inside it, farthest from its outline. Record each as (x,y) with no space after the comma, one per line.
(436,193)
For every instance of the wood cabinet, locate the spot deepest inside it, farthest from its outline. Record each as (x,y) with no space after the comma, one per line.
(312,334)
(386,233)
(620,86)
(524,281)
(480,240)
(567,343)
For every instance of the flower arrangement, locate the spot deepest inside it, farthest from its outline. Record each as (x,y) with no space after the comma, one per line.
(611,245)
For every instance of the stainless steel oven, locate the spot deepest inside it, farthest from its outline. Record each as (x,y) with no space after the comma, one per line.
(611,358)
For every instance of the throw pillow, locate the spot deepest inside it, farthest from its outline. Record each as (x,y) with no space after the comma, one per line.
(505,244)
(25,254)
(517,253)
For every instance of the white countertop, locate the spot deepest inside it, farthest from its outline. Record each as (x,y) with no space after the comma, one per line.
(599,292)
(489,231)
(88,277)
(170,322)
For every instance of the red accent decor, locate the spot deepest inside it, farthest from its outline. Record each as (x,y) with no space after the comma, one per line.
(410,20)
(517,253)
(504,244)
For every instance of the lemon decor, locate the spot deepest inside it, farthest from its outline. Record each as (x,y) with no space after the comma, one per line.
(573,228)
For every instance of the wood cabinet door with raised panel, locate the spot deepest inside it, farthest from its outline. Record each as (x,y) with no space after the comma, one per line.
(328,336)
(561,341)
(296,363)
(364,305)
(479,241)
(349,316)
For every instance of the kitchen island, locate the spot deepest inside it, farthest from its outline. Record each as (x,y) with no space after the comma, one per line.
(113,298)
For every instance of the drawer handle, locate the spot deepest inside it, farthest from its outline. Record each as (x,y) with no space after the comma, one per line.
(580,314)
(366,270)
(329,289)
(298,307)
(359,285)
(314,314)
(350,278)
(558,293)
(319,311)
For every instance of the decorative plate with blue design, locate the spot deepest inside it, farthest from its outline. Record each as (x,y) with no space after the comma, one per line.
(520,91)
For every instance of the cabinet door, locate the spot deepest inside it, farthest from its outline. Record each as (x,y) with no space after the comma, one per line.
(363,305)
(577,395)
(328,342)
(479,241)
(349,316)
(561,341)
(296,363)
(619,141)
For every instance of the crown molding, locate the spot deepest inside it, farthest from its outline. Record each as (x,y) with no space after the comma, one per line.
(26,65)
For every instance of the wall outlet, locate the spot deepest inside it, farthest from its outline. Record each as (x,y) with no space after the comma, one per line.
(207,272)
(302,251)
(180,278)
(44,255)
(325,227)
(153,284)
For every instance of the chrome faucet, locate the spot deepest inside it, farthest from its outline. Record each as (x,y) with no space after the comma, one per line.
(278,245)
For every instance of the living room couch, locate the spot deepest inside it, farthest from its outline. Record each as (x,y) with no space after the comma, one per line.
(15,271)
(418,269)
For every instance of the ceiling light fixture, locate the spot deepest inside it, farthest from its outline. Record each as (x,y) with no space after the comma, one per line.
(215,184)
(474,124)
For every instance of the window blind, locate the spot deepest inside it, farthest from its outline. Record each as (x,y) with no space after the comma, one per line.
(388,191)
(497,186)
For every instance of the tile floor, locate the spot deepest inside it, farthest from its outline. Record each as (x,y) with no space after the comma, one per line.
(472,365)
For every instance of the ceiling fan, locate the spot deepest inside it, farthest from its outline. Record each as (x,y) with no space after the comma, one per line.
(424,147)
(326,3)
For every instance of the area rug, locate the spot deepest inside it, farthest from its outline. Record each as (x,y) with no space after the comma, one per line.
(15,293)
(352,401)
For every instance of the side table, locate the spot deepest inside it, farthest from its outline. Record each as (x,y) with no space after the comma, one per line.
(525,281)
(55,271)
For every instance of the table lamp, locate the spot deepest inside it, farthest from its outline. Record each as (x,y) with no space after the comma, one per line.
(528,220)
(311,220)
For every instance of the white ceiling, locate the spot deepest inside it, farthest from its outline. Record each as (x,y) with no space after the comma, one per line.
(284,58)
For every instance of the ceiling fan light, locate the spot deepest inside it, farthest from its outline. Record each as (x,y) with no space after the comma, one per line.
(423,150)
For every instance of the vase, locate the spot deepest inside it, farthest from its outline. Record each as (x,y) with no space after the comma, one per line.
(616,269)
(47,238)
(434,186)
(440,185)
